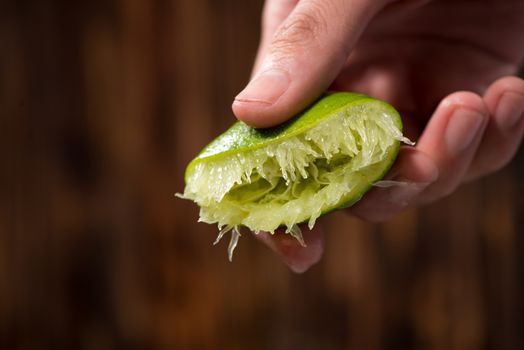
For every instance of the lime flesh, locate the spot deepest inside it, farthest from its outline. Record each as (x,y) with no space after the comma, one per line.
(325,158)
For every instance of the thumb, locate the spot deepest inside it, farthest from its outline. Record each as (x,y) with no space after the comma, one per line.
(303,58)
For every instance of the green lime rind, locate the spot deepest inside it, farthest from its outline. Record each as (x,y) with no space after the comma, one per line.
(351,199)
(325,158)
(241,137)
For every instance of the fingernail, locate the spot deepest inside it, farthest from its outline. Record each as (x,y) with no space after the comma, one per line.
(510,110)
(461,130)
(266,88)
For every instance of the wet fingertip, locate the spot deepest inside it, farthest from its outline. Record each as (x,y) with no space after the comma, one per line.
(250,113)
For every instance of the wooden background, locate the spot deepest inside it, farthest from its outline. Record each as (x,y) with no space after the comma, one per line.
(102,104)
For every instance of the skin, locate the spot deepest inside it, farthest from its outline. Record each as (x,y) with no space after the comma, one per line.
(447,65)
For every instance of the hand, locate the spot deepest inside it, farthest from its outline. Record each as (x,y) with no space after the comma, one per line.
(446,65)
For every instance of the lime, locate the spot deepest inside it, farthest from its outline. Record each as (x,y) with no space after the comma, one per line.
(323,159)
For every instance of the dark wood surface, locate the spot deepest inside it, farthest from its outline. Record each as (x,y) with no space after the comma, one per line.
(103,103)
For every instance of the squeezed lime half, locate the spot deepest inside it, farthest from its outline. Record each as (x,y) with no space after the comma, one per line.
(323,159)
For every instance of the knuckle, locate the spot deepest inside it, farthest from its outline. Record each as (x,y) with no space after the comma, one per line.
(300,30)
(275,12)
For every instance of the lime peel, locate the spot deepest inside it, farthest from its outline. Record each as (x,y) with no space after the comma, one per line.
(326,158)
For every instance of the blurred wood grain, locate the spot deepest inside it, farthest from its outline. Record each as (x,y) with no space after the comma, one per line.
(103,103)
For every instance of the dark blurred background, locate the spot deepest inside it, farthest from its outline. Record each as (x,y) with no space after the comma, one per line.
(103,103)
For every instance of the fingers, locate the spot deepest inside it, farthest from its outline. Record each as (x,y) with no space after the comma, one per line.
(451,139)
(294,255)
(505,102)
(415,170)
(438,164)
(302,58)
(466,137)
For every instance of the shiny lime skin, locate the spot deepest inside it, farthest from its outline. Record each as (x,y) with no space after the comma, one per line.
(243,138)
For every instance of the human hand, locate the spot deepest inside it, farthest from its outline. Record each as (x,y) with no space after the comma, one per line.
(446,65)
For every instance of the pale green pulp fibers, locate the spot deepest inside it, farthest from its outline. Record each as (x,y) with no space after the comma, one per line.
(297,179)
